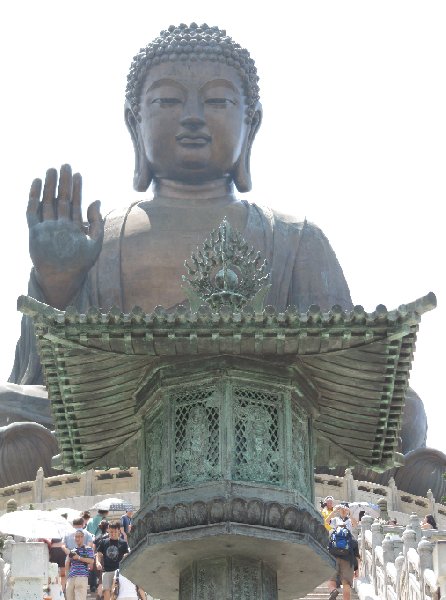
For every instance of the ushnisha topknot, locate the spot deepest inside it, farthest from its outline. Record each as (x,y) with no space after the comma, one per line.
(193,42)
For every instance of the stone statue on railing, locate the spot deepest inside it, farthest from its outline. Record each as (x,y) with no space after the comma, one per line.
(192,132)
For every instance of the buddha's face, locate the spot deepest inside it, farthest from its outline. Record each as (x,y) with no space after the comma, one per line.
(192,120)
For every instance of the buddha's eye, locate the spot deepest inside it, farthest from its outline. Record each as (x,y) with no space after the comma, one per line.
(166,101)
(219,102)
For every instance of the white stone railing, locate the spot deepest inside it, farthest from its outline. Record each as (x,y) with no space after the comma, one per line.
(82,490)
(79,490)
(27,574)
(400,504)
(401,563)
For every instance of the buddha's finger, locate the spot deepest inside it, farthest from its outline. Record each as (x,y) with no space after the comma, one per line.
(64,192)
(32,210)
(49,193)
(76,202)
(95,220)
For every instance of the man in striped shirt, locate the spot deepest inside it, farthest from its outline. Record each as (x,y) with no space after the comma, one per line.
(76,566)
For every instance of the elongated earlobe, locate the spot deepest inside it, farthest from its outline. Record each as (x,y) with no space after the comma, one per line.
(143,173)
(241,173)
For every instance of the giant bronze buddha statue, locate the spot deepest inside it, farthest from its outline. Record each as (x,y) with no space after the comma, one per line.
(192,109)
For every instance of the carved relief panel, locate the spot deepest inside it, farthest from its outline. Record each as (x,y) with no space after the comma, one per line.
(196,435)
(258,438)
(231,577)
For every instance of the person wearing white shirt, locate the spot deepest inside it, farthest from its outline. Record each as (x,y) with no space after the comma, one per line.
(128,590)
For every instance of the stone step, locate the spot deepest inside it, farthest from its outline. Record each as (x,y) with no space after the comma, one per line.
(320,593)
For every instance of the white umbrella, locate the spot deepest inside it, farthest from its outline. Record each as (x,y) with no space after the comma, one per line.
(368,507)
(113,504)
(35,524)
(71,513)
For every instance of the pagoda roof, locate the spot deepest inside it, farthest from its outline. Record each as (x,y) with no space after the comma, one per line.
(358,361)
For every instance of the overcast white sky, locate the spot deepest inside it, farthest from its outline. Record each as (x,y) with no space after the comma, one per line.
(353,137)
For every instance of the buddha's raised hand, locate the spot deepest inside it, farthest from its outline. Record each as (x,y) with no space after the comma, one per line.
(62,248)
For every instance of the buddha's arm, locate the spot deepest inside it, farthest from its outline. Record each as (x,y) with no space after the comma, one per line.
(62,248)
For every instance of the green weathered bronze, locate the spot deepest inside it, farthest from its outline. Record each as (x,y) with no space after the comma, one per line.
(229,408)
(328,346)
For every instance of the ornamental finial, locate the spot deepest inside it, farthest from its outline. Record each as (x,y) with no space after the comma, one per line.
(226,271)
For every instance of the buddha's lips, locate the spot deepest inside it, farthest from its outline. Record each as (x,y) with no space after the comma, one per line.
(191,139)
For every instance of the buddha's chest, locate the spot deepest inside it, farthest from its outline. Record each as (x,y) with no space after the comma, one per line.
(155,244)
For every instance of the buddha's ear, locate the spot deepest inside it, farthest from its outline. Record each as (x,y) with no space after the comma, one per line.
(241,172)
(143,173)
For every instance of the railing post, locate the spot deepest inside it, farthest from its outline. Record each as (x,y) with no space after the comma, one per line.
(425,550)
(432,504)
(388,550)
(39,486)
(29,569)
(377,538)
(89,482)
(383,514)
(349,486)
(439,566)
(11,505)
(366,525)
(409,540)
(388,557)
(394,499)
(414,524)
(399,567)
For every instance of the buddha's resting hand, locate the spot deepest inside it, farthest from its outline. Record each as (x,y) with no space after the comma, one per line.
(62,248)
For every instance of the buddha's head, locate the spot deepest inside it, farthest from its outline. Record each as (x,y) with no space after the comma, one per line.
(192,108)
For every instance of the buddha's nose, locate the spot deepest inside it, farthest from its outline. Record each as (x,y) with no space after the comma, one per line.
(192,122)
(193,117)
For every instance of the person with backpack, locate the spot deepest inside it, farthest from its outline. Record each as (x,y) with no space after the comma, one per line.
(343,546)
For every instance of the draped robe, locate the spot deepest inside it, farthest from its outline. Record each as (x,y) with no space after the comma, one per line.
(304,271)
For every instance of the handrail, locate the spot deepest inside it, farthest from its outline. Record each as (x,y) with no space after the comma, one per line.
(100,482)
(401,564)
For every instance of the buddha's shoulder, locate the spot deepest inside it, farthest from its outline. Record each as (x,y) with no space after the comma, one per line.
(292,222)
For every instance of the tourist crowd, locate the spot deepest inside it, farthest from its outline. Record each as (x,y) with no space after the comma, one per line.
(90,558)
(344,546)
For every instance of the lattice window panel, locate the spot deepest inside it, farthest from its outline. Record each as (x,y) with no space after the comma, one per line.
(300,467)
(258,449)
(196,436)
